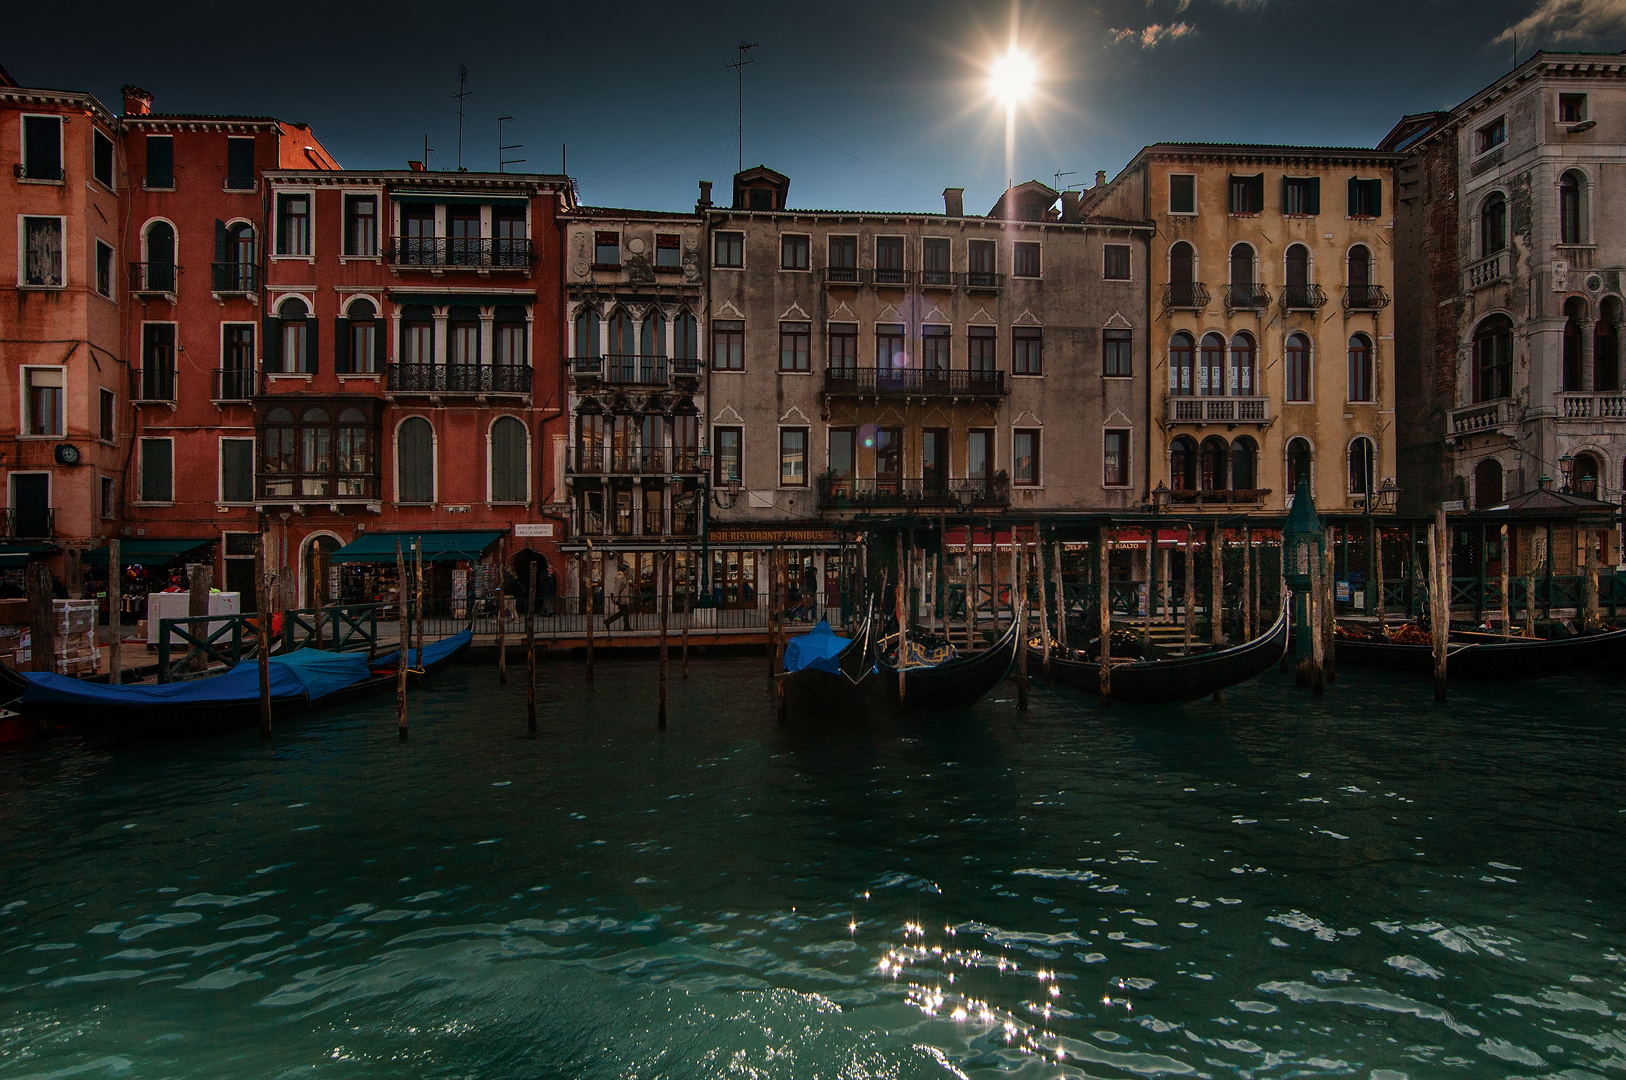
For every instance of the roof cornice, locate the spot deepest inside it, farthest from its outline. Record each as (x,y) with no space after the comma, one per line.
(203,123)
(1241,153)
(26,96)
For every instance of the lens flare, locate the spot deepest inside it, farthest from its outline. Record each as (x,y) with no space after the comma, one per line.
(1012,77)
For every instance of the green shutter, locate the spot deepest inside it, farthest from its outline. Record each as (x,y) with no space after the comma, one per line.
(1256,185)
(157,471)
(341,344)
(1286,182)
(380,355)
(1354,196)
(415,461)
(271,343)
(312,336)
(1377,197)
(1313,199)
(237,470)
(508,460)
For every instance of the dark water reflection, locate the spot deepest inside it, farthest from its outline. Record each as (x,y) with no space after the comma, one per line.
(1271,885)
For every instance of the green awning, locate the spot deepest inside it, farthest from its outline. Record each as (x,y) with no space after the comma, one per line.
(13,556)
(476,200)
(148,552)
(437,546)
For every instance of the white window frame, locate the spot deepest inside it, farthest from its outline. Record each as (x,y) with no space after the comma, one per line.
(382,223)
(1129,458)
(491,462)
(1131,249)
(715,265)
(220,468)
(1039,429)
(1558,106)
(22,251)
(1479,129)
(1196,196)
(61,148)
(225,180)
(95,133)
(11,487)
(24,374)
(1036,242)
(141,469)
(101,393)
(779,456)
(783,269)
(107,507)
(277,196)
(112,270)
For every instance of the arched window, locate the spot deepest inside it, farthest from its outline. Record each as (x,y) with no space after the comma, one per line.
(511,334)
(1360,270)
(1182,275)
(1584,473)
(1606,348)
(1298,277)
(1487,484)
(1571,209)
(652,335)
(1183,464)
(160,265)
(1574,314)
(277,453)
(686,339)
(1242,265)
(1299,461)
(298,336)
(589,439)
(315,453)
(1215,464)
(1244,464)
(509,458)
(1244,365)
(415,461)
(234,257)
(1181,383)
(1211,366)
(353,455)
(1298,368)
(1361,465)
(1492,225)
(418,337)
(1360,368)
(586,331)
(359,339)
(623,347)
(1493,359)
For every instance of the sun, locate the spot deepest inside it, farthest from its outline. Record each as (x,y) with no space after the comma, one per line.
(1012,77)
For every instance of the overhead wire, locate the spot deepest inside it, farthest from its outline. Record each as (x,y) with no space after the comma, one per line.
(658,145)
(839,149)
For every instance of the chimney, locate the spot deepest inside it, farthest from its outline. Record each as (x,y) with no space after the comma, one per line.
(1100,178)
(1069,206)
(137,102)
(705,196)
(954,201)
(415,166)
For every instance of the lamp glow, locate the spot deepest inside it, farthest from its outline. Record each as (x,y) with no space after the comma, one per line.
(1012,77)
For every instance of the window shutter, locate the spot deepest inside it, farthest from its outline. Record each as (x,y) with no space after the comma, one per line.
(1313,195)
(1354,195)
(1377,197)
(312,338)
(1256,186)
(341,344)
(380,356)
(220,241)
(271,343)
(1285,184)
(1230,192)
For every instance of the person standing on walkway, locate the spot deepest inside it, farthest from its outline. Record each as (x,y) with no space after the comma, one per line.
(550,588)
(621,593)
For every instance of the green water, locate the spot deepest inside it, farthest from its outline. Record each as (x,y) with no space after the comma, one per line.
(1274,885)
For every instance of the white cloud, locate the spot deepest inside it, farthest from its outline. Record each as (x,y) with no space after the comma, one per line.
(1568,22)
(1155,34)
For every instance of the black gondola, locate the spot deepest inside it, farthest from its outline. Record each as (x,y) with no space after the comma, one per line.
(952,684)
(1181,678)
(1491,657)
(847,690)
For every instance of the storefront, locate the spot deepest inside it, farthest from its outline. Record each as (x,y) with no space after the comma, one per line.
(460,571)
(148,565)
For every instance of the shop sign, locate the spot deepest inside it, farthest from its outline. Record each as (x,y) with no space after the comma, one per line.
(544,529)
(772,536)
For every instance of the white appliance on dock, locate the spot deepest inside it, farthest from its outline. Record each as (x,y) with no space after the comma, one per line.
(177,605)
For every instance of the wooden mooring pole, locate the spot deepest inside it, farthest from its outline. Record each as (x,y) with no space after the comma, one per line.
(422,615)
(200,578)
(1061,599)
(1216,585)
(502,623)
(1312,611)
(262,628)
(1329,615)
(588,603)
(115,604)
(530,652)
(1506,605)
(403,616)
(665,587)
(899,606)
(1019,596)
(1044,604)
(42,624)
(1439,598)
(1104,613)
(1247,584)
(1377,572)
(688,605)
(1190,597)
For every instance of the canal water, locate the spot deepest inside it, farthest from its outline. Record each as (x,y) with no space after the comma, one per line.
(1272,885)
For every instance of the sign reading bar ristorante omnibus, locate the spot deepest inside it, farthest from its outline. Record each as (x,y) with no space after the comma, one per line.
(772,536)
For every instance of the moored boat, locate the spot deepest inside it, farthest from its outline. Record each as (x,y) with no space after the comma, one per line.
(956,683)
(1490,656)
(829,672)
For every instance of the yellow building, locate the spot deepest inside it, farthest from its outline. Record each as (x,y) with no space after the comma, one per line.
(1272,339)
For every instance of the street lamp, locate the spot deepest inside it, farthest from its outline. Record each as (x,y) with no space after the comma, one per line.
(1160,499)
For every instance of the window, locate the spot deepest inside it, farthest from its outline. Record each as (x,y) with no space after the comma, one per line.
(463,247)
(1183,463)
(843,259)
(297,345)
(1115,262)
(981,346)
(417,335)
(1213,463)
(1298,368)
(417,246)
(1301,195)
(686,339)
(1360,368)
(102,159)
(293,225)
(1115,459)
(1299,461)
(1247,194)
(105,427)
(1242,265)
(890,357)
(1244,372)
(110,500)
(793,253)
(157,470)
(1360,273)
(1574,314)
(104,268)
(607,250)
(934,351)
(1606,348)
(1184,290)
(509,347)
(158,362)
(43,401)
(586,332)
(415,461)
(1493,359)
(240,164)
(794,342)
(729,250)
(1182,193)
(1571,108)
(1211,366)
(510,454)
(844,350)
(979,453)
(1182,369)
(157,273)
(728,345)
(42,148)
(1025,458)
(360,225)
(982,263)
(889,456)
(358,339)
(842,453)
(934,461)
(1244,465)
(1365,197)
(1491,136)
(1298,271)
(1360,467)
(1487,484)
(1493,225)
(1025,260)
(728,441)
(42,251)
(236,362)
(889,260)
(793,457)
(1027,350)
(934,262)
(236,470)
(160,162)
(1570,224)
(668,252)
(1117,355)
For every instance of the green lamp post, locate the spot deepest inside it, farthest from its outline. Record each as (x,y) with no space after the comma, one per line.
(1302,540)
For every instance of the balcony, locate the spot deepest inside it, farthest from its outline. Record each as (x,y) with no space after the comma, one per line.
(154,382)
(845,275)
(983,281)
(1219,410)
(28,523)
(154,277)
(1185,295)
(1483,417)
(607,460)
(851,493)
(316,487)
(891,277)
(233,384)
(1594,406)
(442,252)
(1247,296)
(1365,298)
(1302,298)
(636,370)
(936,279)
(913,382)
(234,277)
(1233,497)
(457,379)
(240,183)
(1488,271)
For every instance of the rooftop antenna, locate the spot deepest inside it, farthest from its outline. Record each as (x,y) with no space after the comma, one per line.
(426,150)
(1059,175)
(501,146)
(741,62)
(462,92)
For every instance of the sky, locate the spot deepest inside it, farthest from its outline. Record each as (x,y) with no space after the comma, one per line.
(865,104)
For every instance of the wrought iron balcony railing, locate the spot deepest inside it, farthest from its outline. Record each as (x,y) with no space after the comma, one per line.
(153,382)
(240,183)
(234,277)
(294,487)
(845,275)
(852,493)
(234,384)
(936,279)
(452,251)
(28,523)
(458,379)
(1303,298)
(1247,296)
(1365,298)
(636,370)
(890,276)
(1185,294)
(983,281)
(39,172)
(153,277)
(914,382)
(603,459)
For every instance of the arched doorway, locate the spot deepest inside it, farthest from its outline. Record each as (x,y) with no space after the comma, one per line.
(518,583)
(1487,484)
(312,593)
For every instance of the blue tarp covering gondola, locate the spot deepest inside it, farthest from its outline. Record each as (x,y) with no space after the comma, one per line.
(321,672)
(308,673)
(817,649)
(433,653)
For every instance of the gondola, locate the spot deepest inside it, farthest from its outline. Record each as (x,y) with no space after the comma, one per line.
(300,681)
(958,683)
(839,682)
(1180,678)
(1491,656)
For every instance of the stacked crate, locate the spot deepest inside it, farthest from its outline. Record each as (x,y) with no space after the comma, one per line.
(76,652)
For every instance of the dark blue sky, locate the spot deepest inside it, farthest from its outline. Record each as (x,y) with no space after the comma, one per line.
(870,104)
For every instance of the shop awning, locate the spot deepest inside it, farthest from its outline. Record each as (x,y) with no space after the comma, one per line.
(437,547)
(148,552)
(13,556)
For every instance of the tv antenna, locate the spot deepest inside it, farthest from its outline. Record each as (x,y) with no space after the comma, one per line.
(1059,175)
(501,146)
(742,60)
(462,92)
